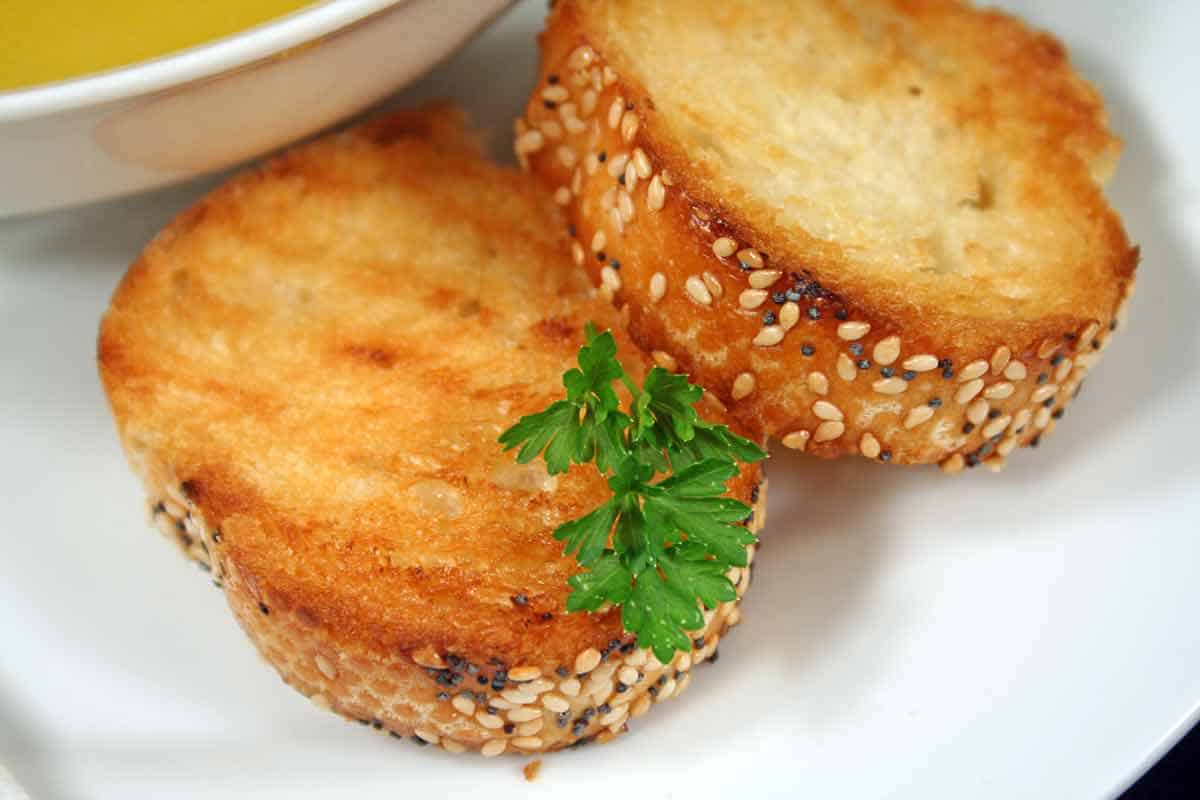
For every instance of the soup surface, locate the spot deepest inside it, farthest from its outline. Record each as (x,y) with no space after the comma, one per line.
(42,41)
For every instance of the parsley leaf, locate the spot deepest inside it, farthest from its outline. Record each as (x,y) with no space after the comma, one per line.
(661,546)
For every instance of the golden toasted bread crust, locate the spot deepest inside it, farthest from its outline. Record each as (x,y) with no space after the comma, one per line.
(309,370)
(825,343)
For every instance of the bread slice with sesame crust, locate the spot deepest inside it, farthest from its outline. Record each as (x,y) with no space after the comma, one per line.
(309,370)
(873,226)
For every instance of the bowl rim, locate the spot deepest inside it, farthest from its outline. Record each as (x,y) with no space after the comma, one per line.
(317,20)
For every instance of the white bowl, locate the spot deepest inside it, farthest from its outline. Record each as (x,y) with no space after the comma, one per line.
(201,109)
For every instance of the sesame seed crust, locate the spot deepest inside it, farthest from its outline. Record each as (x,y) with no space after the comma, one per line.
(462,645)
(790,309)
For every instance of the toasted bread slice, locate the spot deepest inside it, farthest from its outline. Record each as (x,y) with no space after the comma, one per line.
(873,226)
(309,370)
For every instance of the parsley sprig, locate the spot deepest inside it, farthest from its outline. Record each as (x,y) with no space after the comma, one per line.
(660,546)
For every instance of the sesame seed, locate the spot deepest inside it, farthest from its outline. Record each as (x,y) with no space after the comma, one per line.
(581,57)
(743,385)
(615,112)
(587,102)
(1006,447)
(1088,334)
(1064,369)
(530,142)
(463,704)
(796,440)
(724,247)
(864,363)
(996,426)
(868,445)
(769,318)
(570,687)
(616,165)
(818,383)
(807,349)
(656,195)
(489,721)
(524,673)
(696,290)
(953,465)
(1047,347)
(769,336)
(1044,393)
(625,205)
(641,706)
(555,94)
(999,391)
(630,178)
(530,728)
(665,360)
(889,386)
(599,240)
(1021,419)
(917,416)
(562,195)
(814,313)
(886,350)
(828,431)
(750,258)
(524,714)
(714,285)
(966,393)
(571,123)
(566,156)
(658,286)
(970,372)
(908,375)
(493,748)
(977,411)
(629,126)
(629,676)
(327,669)
(610,278)
(1041,420)
(789,315)
(577,181)
(666,690)
(921,363)
(851,331)
(555,703)
(751,299)
(641,163)
(887,372)
(763,278)
(845,367)
(823,409)
(1015,371)
(587,661)
(1000,359)
(856,349)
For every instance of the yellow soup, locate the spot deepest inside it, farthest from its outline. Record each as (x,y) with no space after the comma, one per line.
(48,40)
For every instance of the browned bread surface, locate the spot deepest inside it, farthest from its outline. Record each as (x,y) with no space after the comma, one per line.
(873,226)
(309,370)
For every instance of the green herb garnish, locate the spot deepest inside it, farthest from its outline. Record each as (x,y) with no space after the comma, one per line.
(661,545)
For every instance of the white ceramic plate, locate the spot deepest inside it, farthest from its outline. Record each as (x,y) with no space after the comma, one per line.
(1031,634)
